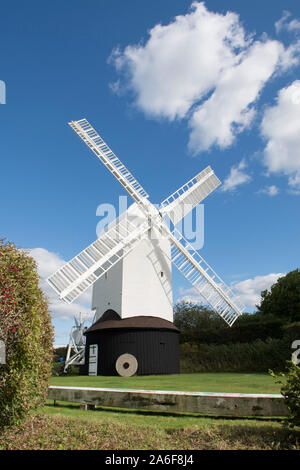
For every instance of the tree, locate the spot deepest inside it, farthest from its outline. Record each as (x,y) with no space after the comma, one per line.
(26,330)
(189,316)
(283,299)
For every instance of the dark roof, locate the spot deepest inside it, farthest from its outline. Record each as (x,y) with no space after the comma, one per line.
(110,315)
(108,322)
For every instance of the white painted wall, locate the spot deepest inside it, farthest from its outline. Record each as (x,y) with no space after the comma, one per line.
(107,291)
(140,284)
(147,281)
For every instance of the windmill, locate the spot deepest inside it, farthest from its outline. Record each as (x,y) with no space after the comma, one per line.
(130,269)
(76,344)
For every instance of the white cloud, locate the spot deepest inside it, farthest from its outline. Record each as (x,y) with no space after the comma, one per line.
(203,67)
(284,24)
(189,295)
(294,25)
(248,291)
(270,190)
(289,57)
(228,111)
(181,61)
(236,177)
(281,129)
(47,263)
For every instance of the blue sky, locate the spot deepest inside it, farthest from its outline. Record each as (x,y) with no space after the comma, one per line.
(172,87)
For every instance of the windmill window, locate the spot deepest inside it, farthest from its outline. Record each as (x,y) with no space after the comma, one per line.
(161,274)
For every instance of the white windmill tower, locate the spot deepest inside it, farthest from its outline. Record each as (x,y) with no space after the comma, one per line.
(130,268)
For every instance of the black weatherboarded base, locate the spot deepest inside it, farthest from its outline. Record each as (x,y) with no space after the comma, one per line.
(153,341)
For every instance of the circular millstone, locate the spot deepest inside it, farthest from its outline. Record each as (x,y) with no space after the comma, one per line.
(126,365)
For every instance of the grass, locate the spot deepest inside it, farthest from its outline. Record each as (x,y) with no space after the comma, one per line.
(140,418)
(214,382)
(201,382)
(102,432)
(66,427)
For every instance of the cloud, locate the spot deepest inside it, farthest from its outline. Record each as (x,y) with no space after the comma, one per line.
(228,111)
(248,291)
(269,190)
(236,177)
(284,24)
(47,263)
(181,61)
(289,57)
(205,68)
(189,295)
(280,128)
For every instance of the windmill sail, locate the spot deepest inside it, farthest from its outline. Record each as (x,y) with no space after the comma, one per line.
(141,220)
(93,140)
(189,195)
(94,261)
(204,279)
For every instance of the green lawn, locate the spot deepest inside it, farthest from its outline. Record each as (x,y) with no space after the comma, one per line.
(200,382)
(136,418)
(105,428)
(203,382)
(100,431)
(66,426)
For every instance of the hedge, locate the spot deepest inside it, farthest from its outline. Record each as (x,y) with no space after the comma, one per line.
(242,333)
(257,356)
(25,328)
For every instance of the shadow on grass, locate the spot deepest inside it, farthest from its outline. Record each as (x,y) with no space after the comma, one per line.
(263,437)
(239,436)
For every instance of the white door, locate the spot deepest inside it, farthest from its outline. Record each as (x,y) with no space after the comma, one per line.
(93,359)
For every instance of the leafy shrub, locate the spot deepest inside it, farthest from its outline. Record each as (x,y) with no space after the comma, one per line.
(292,331)
(58,369)
(58,353)
(189,316)
(240,333)
(257,356)
(25,328)
(283,298)
(198,324)
(291,392)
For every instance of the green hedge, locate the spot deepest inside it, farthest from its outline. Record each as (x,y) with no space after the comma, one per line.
(257,356)
(292,331)
(25,328)
(58,369)
(243,333)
